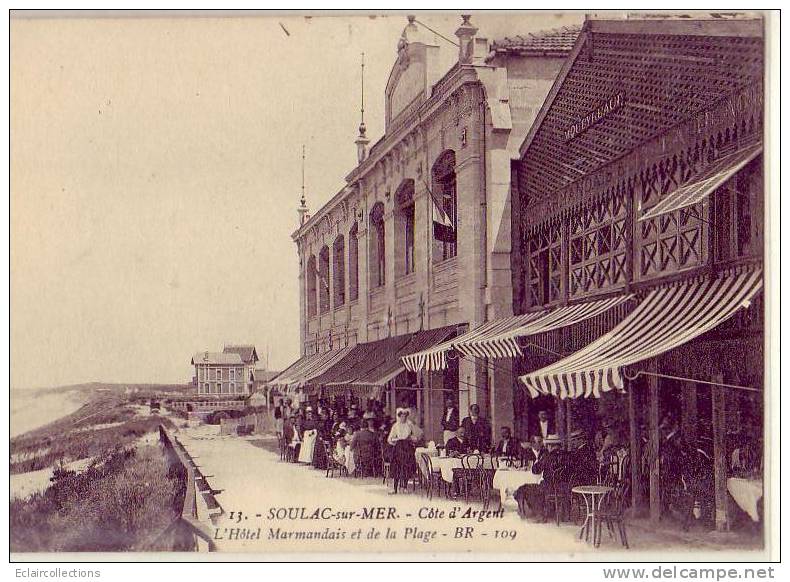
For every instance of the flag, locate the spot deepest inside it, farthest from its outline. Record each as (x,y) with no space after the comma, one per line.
(321,278)
(443,228)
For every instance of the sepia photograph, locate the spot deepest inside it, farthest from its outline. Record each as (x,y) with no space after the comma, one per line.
(378,285)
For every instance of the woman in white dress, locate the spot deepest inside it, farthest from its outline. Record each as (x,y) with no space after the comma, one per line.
(404,434)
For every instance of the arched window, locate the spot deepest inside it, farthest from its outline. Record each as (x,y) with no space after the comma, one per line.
(404,224)
(312,272)
(353,264)
(377,252)
(323,280)
(339,270)
(445,197)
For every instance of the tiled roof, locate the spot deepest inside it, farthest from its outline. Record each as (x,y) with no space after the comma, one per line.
(246,352)
(216,358)
(558,40)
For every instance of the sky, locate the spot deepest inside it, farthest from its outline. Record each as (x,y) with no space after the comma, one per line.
(156,171)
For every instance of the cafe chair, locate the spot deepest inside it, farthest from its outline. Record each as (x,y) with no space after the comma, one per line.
(332,464)
(281,444)
(558,493)
(612,513)
(386,465)
(485,480)
(431,478)
(469,465)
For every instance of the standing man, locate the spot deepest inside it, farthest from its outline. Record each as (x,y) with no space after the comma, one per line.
(544,425)
(478,431)
(278,418)
(450,419)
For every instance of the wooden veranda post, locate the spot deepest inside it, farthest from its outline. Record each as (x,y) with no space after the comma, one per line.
(688,414)
(560,424)
(635,446)
(719,413)
(654,444)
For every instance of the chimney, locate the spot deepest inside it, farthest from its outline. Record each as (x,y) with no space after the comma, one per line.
(466,33)
(303,212)
(362,143)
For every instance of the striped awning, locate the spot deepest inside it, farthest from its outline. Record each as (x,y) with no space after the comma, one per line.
(667,318)
(377,371)
(302,371)
(359,358)
(500,338)
(703,185)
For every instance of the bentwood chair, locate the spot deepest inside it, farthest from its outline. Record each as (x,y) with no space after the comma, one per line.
(485,481)
(281,445)
(559,493)
(612,513)
(432,479)
(386,464)
(469,466)
(332,464)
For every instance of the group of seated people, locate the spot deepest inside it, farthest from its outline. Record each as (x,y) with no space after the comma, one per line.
(344,433)
(361,440)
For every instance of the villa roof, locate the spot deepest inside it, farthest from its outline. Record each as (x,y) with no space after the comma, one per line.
(246,352)
(216,358)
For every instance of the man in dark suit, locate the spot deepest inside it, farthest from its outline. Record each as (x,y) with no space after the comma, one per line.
(551,464)
(450,419)
(477,429)
(583,460)
(543,425)
(507,445)
(364,445)
(459,444)
(535,450)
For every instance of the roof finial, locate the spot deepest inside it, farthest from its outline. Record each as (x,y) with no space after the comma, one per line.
(362,139)
(303,198)
(362,128)
(302,210)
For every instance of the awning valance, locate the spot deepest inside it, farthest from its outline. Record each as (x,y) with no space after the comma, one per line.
(359,358)
(385,364)
(667,318)
(300,373)
(703,185)
(499,338)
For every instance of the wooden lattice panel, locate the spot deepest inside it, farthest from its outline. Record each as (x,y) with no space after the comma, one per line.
(545,264)
(663,79)
(598,243)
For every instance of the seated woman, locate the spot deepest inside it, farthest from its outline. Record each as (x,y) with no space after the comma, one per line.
(339,452)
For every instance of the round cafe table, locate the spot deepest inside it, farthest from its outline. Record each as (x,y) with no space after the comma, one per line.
(593,498)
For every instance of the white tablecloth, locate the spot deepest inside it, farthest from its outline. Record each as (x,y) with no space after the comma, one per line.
(746,493)
(308,443)
(507,481)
